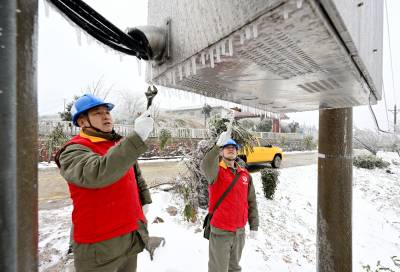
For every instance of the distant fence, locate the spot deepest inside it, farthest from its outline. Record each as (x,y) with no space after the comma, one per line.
(45,127)
(278,136)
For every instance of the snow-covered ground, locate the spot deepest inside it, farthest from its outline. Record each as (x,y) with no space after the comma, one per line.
(287,235)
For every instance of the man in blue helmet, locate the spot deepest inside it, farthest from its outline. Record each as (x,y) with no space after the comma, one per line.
(237,207)
(108,193)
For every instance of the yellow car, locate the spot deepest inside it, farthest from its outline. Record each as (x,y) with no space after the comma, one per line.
(263,152)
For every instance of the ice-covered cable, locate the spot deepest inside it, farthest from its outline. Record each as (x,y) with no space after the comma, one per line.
(101,29)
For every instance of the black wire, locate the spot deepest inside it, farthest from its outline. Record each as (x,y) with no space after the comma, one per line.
(99,28)
(95,33)
(98,20)
(374,116)
(92,19)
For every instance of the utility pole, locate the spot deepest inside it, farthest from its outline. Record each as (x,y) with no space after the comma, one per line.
(335,170)
(394,118)
(18,148)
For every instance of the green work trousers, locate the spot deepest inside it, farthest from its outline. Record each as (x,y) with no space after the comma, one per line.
(225,250)
(115,255)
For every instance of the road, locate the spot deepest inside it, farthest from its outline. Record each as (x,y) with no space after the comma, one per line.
(53,190)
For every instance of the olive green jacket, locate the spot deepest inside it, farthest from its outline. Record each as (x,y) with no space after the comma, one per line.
(83,167)
(210,168)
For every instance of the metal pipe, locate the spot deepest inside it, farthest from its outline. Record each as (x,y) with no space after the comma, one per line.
(8,164)
(27,139)
(335,170)
(18,138)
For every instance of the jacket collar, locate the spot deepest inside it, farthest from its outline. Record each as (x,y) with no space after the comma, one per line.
(96,136)
(223,165)
(93,139)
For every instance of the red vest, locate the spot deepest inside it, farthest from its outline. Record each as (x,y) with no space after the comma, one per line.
(104,213)
(232,213)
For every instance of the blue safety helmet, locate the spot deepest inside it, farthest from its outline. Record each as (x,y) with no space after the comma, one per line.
(85,103)
(231,142)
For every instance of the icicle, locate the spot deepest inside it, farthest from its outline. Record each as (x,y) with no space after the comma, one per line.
(217,54)
(299,3)
(194,68)
(121,57)
(203,58)
(285,14)
(139,67)
(255,30)
(173,78)
(89,39)
(241,37)
(187,69)
(180,72)
(46,8)
(248,33)
(230,47)
(78,36)
(151,71)
(164,81)
(211,51)
(169,77)
(223,51)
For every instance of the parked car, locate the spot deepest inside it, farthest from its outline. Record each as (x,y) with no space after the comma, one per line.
(263,152)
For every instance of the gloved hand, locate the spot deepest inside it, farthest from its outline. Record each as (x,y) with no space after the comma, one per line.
(144,125)
(145,208)
(153,243)
(253,234)
(223,138)
(226,135)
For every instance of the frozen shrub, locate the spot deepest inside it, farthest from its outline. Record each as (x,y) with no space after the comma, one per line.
(189,213)
(369,162)
(164,137)
(55,139)
(308,143)
(270,180)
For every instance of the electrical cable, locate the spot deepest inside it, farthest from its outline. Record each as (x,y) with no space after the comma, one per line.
(390,51)
(102,30)
(374,116)
(384,99)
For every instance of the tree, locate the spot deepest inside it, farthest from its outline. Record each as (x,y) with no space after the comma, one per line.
(99,89)
(130,105)
(206,111)
(248,124)
(294,126)
(55,139)
(265,125)
(66,114)
(164,137)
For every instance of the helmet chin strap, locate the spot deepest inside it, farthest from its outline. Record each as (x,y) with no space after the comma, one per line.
(95,128)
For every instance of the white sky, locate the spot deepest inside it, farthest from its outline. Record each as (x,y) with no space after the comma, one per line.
(66,67)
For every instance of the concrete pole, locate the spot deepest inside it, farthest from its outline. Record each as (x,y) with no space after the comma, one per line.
(335,169)
(18,136)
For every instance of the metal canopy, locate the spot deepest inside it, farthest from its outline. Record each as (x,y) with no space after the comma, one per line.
(276,55)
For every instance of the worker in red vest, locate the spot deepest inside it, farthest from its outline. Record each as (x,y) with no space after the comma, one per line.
(109,200)
(239,206)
